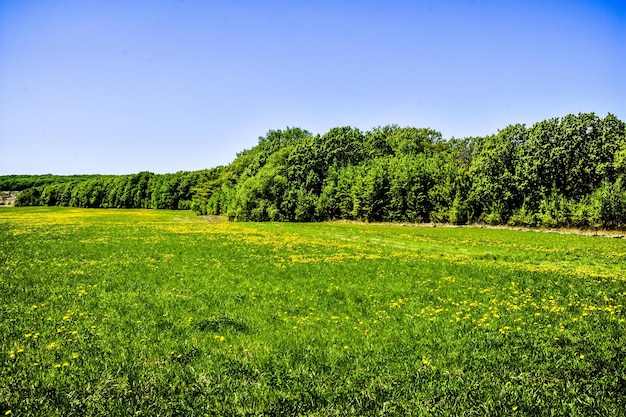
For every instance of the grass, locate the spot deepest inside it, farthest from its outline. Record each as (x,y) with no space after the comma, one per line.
(112,312)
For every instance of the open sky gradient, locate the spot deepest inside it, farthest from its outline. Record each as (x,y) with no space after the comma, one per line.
(118,87)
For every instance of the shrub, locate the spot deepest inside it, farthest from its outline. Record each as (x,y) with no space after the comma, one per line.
(523,217)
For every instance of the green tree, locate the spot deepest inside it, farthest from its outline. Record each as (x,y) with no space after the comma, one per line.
(493,171)
(412,140)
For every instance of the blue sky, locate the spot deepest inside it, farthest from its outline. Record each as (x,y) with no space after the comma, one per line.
(118,87)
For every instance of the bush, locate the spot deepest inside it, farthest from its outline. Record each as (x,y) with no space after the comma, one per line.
(554,211)
(495,215)
(28,197)
(609,202)
(523,217)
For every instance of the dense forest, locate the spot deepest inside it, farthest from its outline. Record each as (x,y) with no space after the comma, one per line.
(22,182)
(568,171)
(142,190)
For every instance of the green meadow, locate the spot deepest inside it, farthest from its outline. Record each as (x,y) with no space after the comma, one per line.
(143,312)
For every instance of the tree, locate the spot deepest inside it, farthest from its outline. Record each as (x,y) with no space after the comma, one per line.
(412,141)
(493,172)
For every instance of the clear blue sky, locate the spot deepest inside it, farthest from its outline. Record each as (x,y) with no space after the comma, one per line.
(122,86)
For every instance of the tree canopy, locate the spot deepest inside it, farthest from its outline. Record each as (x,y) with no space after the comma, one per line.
(568,171)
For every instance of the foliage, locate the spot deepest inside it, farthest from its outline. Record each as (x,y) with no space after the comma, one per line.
(547,175)
(22,182)
(560,172)
(143,190)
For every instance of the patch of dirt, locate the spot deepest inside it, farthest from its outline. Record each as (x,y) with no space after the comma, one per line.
(210,219)
(615,234)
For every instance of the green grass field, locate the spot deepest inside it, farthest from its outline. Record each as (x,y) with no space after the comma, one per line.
(112,312)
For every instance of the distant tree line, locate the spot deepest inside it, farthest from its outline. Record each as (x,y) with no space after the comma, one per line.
(22,182)
(142,190)
(561,172)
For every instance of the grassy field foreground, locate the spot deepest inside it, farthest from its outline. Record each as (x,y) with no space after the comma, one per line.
(110,312)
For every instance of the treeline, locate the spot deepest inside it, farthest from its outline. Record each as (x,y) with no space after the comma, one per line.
(142,190)
(561,172)
(568,171)
(22,182)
